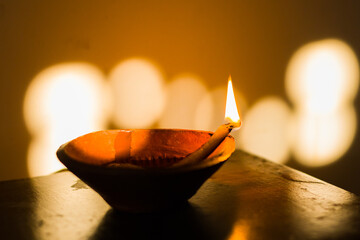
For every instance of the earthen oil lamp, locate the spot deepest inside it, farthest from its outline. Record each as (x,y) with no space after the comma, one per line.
(150,170)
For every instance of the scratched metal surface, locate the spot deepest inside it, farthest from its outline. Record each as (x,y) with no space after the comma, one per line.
(248,198)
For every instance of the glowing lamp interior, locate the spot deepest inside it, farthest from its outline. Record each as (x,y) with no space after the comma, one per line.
(231,112)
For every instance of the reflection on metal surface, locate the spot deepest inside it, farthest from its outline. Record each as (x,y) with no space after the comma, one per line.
(211,109)
(138,93)
(322,80)
(61,103)
(265,130)
(183,95)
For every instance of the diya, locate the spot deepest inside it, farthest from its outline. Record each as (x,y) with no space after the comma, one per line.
(151,169)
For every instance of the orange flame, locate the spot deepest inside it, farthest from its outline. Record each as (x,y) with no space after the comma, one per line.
(231,111)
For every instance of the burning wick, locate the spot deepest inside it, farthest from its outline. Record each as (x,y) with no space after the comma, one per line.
(232,120)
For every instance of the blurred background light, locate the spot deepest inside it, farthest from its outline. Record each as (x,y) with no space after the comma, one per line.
(321,139)
(184,93)
(139,94)
(41,159)
(265,129)
(259,43)
(62,102)
(322,80)
(322,76)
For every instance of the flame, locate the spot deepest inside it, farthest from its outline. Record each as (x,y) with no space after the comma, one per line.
(231,111)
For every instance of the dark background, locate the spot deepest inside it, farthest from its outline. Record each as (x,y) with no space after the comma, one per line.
(252,40)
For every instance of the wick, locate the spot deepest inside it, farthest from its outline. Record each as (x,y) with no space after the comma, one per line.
(205,150)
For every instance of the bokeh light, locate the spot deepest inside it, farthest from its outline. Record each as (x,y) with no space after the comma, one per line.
(322,80)
(61,103)
(183,95)
(322,76)
(66,94)
(265,129)
(319,140)
(138,93)
(41,158)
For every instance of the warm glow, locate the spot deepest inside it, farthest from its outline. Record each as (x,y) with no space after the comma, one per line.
(322,80)
(61,103)
(265,130)
(322,139)
(240,231)
(323,76)
(183,95)
(210,110)
(41,159)
(138,93)
(231,111)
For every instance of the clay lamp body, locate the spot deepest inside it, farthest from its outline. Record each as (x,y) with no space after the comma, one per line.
(141,170)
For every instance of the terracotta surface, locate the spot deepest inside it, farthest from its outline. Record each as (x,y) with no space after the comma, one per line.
(132,169)
(148,148)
